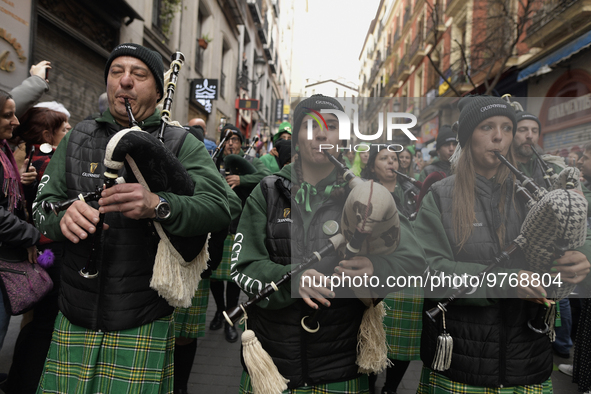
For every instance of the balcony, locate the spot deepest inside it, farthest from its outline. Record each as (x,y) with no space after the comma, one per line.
(417,50)
(403,68)
(272,67)
(262,31)
(392,86)
(557,20)
(255,7)
(269,51)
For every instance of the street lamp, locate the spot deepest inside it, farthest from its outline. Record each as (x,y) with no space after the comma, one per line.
(244,80)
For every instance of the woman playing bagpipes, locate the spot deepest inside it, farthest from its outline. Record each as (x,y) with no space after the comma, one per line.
(302,206)
(464,222)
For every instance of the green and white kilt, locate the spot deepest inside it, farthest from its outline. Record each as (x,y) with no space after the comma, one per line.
(433,383)
(403,324)
(136,360)
(359,385)
(223,270)
(190,322)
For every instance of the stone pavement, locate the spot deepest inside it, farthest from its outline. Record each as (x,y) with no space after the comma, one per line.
(217,368)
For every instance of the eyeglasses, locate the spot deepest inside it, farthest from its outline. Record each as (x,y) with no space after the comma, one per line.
(234,140)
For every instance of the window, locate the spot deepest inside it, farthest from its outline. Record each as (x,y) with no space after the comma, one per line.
(156,20)
(199,52)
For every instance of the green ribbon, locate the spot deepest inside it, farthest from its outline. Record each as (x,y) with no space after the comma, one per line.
(306,190)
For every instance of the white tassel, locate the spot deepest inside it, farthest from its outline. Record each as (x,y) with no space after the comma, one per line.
(372,350)
(550,321)
(444,349)
(173,278)
(264,375)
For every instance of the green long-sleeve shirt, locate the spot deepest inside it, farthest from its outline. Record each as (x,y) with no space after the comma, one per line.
(190,215)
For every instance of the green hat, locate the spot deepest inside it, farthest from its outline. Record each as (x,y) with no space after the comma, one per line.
(284,127)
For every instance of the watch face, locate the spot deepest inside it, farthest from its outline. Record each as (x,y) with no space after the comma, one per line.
(163,211)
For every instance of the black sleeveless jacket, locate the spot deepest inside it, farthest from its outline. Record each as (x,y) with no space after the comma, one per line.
(120,297)
(492,345)
(303,358)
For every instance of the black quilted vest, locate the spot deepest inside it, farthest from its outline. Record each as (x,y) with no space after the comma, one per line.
(439,165)
(120,297)
(303,358)
(492,345)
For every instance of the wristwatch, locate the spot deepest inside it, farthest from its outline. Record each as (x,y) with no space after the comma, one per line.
(162,210)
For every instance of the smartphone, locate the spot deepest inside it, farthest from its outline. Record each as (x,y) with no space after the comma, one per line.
(47,73)
(31,157)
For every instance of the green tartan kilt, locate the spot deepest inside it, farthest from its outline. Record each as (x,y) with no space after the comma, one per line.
(136,360)
(434,383)
(359,385)
(403,324)
(190,322)
(223,270)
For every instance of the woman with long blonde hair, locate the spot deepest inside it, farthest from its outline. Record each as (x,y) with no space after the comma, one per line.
(466,220)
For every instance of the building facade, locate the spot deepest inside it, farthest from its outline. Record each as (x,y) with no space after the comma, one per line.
(77,37)
(421,56)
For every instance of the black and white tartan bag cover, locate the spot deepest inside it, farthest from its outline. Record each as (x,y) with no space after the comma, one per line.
(556,222)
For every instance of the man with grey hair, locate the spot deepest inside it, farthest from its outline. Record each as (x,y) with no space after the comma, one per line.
(114,333)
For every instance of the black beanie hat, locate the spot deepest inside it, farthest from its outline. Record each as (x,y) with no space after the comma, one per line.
(522,115)
(444,136)
(229,128)
(475,109)
(151,58)
(284,152)
(315,102)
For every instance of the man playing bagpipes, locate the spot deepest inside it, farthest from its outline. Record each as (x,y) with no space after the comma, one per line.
(243,173)
(302,206)
(114,333)
(526,139)
(540,169)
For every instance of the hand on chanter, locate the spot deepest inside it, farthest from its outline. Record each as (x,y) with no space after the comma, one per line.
(132,200)
(357,266)
(233,181)
(79,220)
(319,293)
(531,293)
(573,267)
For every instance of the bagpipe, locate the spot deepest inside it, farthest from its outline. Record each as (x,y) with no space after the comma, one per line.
(179,260)
(412,189)
(369,225)
(556,222)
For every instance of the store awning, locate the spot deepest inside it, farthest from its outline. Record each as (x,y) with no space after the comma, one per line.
(545,65)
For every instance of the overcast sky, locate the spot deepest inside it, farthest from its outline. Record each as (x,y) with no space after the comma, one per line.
(329,37)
